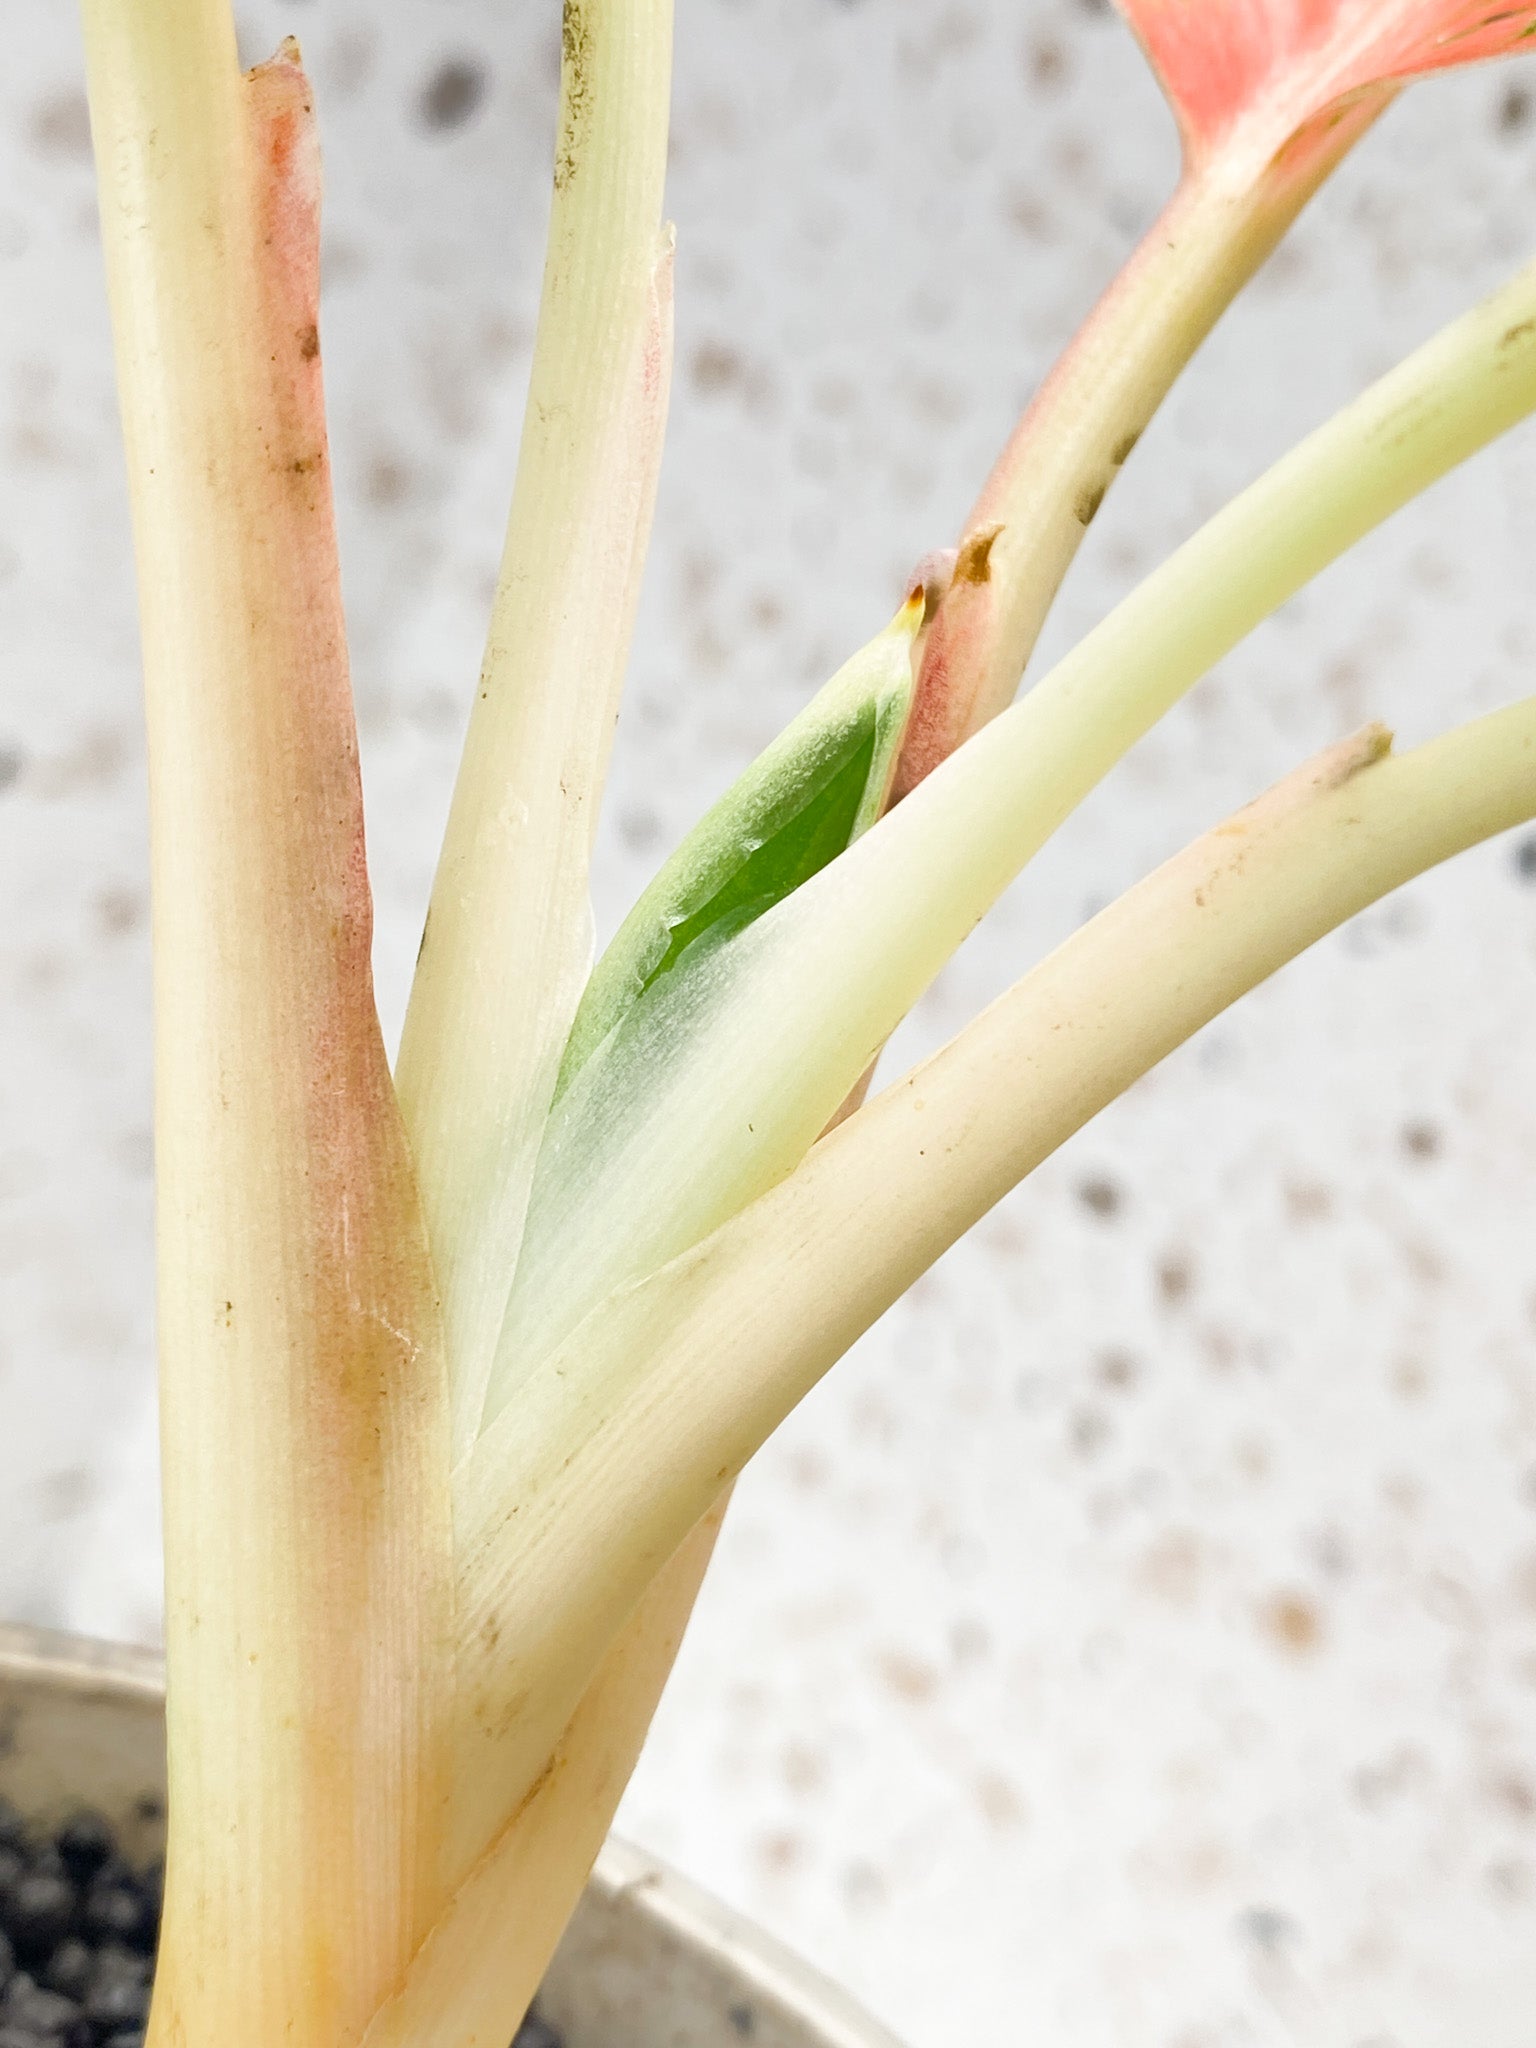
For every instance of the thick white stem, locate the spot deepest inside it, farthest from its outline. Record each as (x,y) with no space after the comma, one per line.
(304,1412)
(508,938)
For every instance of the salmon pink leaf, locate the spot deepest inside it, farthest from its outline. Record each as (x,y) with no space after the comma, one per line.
(1282,68)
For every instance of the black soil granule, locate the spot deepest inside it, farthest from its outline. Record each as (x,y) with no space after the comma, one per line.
(77,1939)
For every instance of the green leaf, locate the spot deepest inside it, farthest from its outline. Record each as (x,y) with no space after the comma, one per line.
(803,802)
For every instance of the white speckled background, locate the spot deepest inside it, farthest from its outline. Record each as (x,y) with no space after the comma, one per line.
(1135,1641)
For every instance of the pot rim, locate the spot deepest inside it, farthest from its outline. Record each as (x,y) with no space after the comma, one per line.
(680,1911)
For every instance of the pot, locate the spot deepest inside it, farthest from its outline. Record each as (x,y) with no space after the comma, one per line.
(648,1961)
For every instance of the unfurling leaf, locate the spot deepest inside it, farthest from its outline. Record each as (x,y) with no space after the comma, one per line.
(820,785)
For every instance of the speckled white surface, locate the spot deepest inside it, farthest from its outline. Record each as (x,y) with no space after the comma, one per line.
(1134,1642)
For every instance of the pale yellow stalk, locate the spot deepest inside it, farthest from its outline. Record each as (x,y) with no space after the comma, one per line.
(303,1394)
(1047,486)
(728,1082)
(664,1393)
(508,939)
(476,1974)
(363,1846)
(809,991)
(507,947)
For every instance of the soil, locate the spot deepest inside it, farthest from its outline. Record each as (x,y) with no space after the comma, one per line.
(78,1925)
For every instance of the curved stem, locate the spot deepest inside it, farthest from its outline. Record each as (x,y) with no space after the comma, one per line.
(719,1090)
(1080,428)
(668,1388)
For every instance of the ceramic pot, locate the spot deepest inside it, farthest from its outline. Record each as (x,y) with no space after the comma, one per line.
(648,1962)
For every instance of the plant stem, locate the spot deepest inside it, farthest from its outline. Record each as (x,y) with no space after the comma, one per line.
(717,1098)
(508,938)
(507,947)
(670,1387)
(304,1409)
(473,1978)
(1074,438)
(1230,209)
(1268,99)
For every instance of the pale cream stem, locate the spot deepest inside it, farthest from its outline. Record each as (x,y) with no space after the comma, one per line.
(507,944)
(304,1413)
(670,1387)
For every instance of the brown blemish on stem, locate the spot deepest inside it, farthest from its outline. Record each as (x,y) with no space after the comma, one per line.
(973,564)
(309,342)
(1521,330)
(1350,757)
(1087,502)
